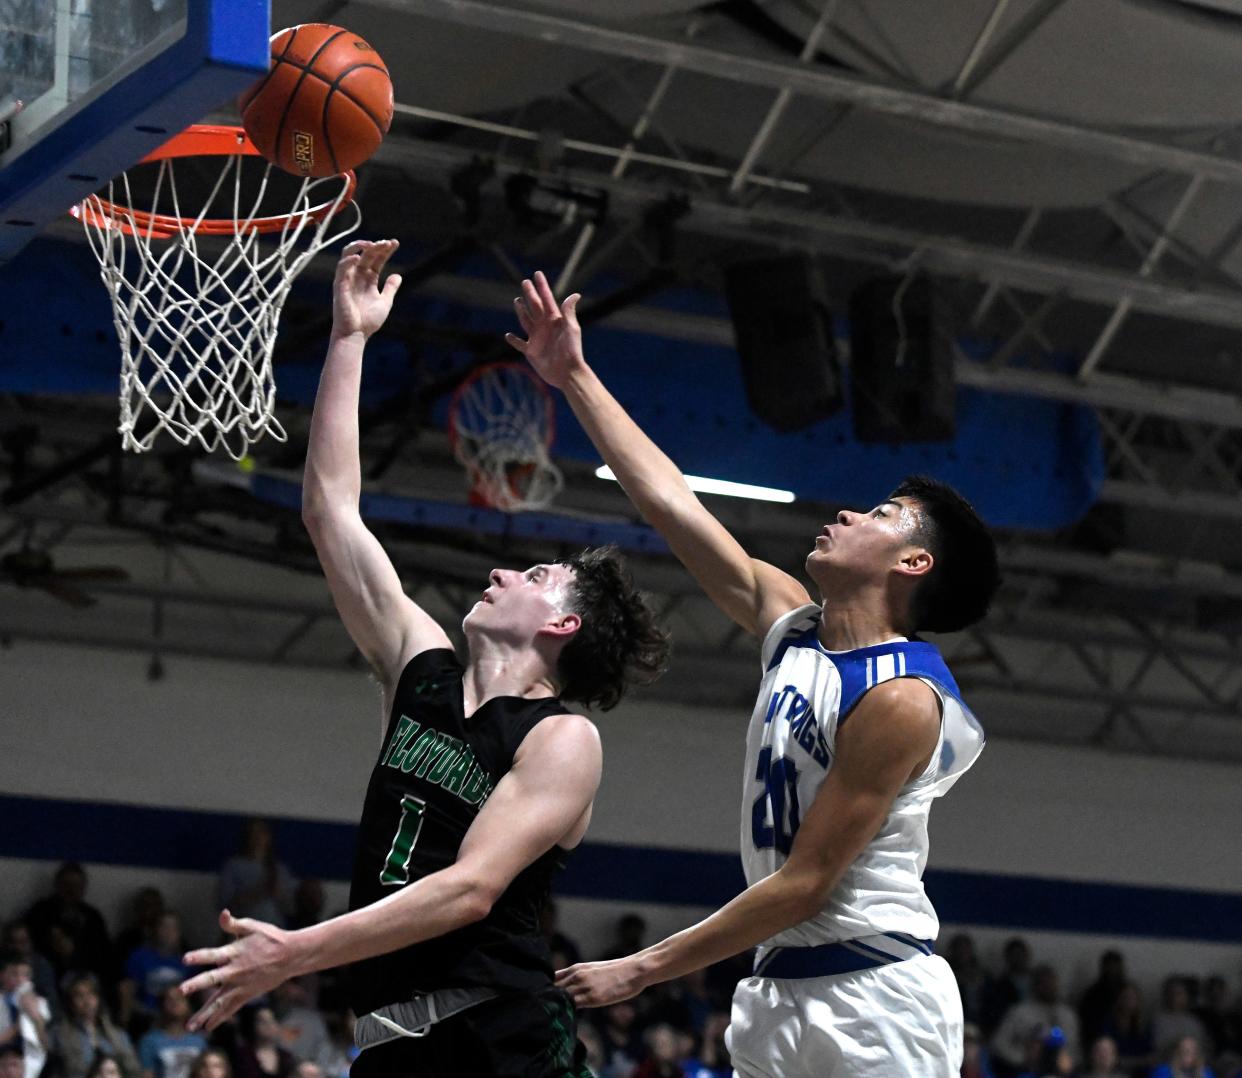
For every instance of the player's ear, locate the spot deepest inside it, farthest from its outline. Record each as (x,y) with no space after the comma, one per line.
(563,625)
(915,561)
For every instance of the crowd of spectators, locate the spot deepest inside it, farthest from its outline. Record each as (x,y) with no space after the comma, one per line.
(1019,1025)
(80,1001)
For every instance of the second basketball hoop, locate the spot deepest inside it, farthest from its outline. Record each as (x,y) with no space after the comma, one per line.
(501,425)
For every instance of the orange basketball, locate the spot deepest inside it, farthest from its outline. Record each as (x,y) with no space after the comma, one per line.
(324,106)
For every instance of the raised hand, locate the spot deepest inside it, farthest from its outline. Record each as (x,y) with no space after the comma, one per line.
(359,305)
(553,344)
(260,958)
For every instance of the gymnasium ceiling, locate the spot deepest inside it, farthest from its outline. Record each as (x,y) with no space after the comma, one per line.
(1069,170)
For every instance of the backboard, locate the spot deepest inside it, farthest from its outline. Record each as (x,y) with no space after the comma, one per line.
(88,87)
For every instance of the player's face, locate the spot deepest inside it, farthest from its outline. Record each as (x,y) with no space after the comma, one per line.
(867,543)
(521,603)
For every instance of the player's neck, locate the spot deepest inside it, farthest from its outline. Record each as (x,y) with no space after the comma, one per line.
(496,668)
(846,625)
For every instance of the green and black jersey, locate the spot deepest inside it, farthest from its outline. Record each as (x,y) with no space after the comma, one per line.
(435,771)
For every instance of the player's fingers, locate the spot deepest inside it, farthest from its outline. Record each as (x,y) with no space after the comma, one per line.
(570,308)
(545,292)
(392,284)
(516,342)
(534,305)
(212,978)
(355,247)
(224,1007)
(205,956)
(519,307)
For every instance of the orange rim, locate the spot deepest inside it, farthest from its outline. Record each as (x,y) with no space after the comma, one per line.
(200,140)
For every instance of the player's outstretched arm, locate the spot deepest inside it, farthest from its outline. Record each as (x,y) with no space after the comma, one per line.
(887,742)
(544,799)
(751,592)
(388,628)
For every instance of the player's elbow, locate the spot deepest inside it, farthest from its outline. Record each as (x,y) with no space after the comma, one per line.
(806,892)
(476,899)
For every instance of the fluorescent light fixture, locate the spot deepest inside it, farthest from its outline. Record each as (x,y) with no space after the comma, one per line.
(721,486)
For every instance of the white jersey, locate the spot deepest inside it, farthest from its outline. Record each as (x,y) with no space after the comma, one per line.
(806,694)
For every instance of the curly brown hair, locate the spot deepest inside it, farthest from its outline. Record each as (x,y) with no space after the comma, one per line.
(619,643)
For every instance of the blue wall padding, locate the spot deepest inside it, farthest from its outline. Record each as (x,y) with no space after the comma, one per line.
(1025,463)
(54,829)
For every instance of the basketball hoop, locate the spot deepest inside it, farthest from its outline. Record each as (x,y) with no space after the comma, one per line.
(501,425)
(197,321)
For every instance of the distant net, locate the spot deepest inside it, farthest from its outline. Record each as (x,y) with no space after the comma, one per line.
(501,425)
(196,298)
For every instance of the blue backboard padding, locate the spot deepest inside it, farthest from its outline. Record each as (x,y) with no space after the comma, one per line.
(1024,463)
(224,48)
(185,840)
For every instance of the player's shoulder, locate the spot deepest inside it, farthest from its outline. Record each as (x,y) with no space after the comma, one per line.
(906,704)
(562,737)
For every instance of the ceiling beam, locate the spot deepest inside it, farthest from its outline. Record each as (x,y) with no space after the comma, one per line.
(824,84)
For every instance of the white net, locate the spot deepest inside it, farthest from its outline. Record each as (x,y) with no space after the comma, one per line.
(502,424)
(197,300)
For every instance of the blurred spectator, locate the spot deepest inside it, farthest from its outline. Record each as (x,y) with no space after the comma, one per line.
(1222,1022)
(1130,1030)
(1185,1061)
(631,928)
(66,928)
(589,1036)
(1034,1018)
(1053,1058)
(146,908)
(1229,1065)
(664,1050)
(11,1065)
(975,1062)
(254,883)
(168,1050)
(260,1052)
(1174,1021)
(156,964)
(308,903)
(712,1060)
(24,1014)
(17,938)
(1102,1059)
(564,951)
(622,1040)
(973,982)
(1097,1001)
(303,1031)
(86,1030)
(682,1003)
(213,1063)
(341,1048)
(307,1069)
(105,1066)
(1012,986)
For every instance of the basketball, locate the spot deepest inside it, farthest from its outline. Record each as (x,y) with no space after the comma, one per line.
(324,106)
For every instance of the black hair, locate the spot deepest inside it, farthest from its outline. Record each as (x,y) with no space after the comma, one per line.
(959,589)
(619,643)
(10,956)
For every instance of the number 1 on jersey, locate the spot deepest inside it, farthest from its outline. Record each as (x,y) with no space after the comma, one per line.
(397,863)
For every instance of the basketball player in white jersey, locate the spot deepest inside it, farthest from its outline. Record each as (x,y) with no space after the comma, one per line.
(856,730)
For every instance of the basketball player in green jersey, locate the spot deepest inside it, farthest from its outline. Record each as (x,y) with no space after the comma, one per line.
(484,779)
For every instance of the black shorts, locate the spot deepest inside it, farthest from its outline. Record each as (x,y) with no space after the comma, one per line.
(533,1035)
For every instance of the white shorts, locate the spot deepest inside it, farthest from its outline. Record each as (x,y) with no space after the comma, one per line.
(903,1020)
